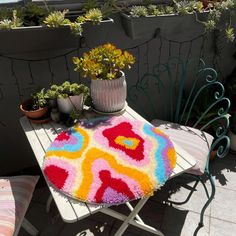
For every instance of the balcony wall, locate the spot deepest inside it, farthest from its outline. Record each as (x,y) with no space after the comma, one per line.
(35,59)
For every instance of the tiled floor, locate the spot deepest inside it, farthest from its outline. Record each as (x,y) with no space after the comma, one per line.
(220,219)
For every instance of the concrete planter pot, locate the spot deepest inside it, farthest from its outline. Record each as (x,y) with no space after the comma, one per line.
(148,27)
(109,95)
(42,38)
(67,105)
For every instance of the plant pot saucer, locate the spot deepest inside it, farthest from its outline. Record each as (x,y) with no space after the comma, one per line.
(111,113)
(41,120)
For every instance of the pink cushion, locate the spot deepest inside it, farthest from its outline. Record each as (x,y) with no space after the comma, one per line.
(193,141)
(15,196)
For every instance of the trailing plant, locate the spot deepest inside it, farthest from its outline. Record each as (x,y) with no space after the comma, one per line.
(11,23)
(188,7)
(216,15)
(103,62)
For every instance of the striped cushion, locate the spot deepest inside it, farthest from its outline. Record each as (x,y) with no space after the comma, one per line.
(193,141)
(15,196)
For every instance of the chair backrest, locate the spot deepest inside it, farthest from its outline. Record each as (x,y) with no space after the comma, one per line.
(184,92)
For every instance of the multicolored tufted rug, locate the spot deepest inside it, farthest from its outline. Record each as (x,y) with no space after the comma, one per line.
(109,160)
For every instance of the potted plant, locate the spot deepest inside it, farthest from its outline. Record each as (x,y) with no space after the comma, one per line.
(36,108)
(36,17)
(179,17)
(147,21)
(104,65)
(69,96)
(232,133)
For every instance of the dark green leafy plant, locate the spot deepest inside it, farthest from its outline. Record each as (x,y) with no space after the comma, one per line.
(33,14)
(40,99)
(109,7)
(90,4)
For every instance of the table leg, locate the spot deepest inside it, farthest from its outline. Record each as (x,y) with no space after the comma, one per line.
(49,201)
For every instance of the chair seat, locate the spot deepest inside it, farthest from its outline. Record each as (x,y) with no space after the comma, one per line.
(196,142)
(15,195)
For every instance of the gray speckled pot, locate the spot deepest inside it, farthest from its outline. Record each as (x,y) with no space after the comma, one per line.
(66,105)
(109,95)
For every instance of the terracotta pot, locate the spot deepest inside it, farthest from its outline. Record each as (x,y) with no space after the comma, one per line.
(33,114)
(109,95)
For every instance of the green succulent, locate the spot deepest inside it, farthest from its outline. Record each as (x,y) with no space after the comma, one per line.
(210,25)
(76,28)
(56,19)
(229,33)
(153,10)
(52,94)
(138,11)
(94,15)
(67,89)
(11,23)
(183,7)
(169,10)
(198,6)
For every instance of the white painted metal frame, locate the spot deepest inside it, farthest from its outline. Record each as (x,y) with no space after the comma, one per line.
(40,137)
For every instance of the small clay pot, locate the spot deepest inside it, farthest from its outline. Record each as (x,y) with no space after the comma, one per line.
(33,114)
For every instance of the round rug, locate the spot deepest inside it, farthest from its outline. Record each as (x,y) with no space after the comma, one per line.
(109,160)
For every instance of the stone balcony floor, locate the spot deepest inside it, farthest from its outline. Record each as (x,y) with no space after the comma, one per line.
(220,217)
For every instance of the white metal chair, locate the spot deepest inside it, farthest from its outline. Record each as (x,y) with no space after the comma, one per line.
(15,196)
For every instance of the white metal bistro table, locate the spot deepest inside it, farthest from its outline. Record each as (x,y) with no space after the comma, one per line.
(40,137)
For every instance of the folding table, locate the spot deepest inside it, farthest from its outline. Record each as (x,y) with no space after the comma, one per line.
(40,137)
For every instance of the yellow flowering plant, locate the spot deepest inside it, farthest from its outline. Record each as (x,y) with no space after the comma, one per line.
(103,62)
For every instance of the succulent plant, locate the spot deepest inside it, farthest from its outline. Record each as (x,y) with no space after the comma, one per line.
(11,23)
(66,89)
(104,62)
(56,19)
(94,15)
(153,10)
(229,34)
(138,11)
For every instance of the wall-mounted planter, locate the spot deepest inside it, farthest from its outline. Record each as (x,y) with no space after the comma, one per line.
(41,38)
(140,27)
